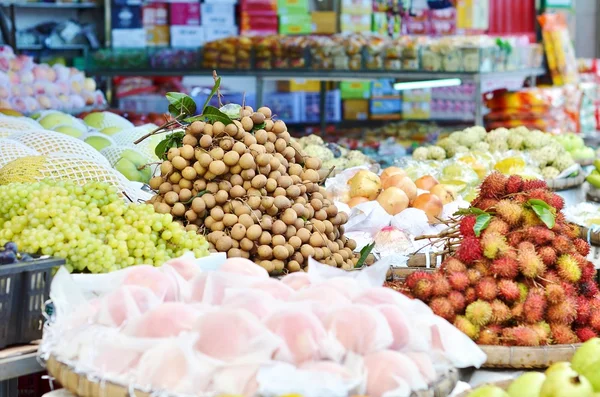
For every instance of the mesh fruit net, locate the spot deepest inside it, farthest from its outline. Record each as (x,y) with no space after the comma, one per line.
(48,142)
(114,153)
(11,150)
(60,166)
(103,137)
(147,146)
(18,124)
(101,120)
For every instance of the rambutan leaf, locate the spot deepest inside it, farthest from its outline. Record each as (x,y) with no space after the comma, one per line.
(542,210)
(364,253)
(469,211)
(481,223)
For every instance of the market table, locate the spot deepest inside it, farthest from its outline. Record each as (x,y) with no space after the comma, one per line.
(15,362)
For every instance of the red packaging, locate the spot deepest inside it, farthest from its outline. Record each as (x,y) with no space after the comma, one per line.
(155,14)
(184,14)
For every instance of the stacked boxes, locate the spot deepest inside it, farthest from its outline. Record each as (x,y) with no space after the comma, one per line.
(127,28)
(258,17)
(185,25)
(156,24)
(386,103)
(218,19)
(294,17)
(356,16)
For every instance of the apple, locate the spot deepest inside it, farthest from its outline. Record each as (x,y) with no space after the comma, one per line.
(488,391)
(527,385)
(69,130)
(54,119)
(129,165)
(563,381)
(89,84)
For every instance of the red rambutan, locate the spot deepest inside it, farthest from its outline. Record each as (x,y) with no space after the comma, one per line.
(505,267)
(508,290)
(534,307)
(466,226)
(583,311)
(563,334)
(469,250)
(539,235)
(423,289)
(572,230)
(588,271)
(555,293)
(514,184)
(484,204)
(568,268)
(544,333)
(443,308)
(520,199)
(564,312)
(500,312)
(441,286)
(548,255)
(569,288)
(538,194)
(411,279)
(523,291)
(582,246)
(474,276)
(589,289)
(497,226)
(530,263)
(534,184)
(457,300)
(562,245)
(483,267)
(594,320)
(551,277)
(554,200)
(521,336)
(493,186)
(517,311)
(452,265)
(585,334)
(488,336)
(487,289)
(466,327)
(459,281)
(515,237)
(470,295)
(494,245)
(530,218)
(509,211)
(479,312)
(526,246)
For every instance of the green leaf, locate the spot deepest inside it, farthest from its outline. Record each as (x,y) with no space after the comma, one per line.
(540,203)
(200,194)
(363,254)
(213,114)
(195,118)
(544,213)
(259,127)
(212,93)
(469,211)
(181,104)
(161,149)
(232,110)
(481,223)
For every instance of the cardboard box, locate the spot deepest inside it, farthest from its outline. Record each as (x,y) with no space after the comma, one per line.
(287,7)
(187,36)
(156,14)
(184,14)
(473,14)
(416,110)
(383,87)
(157,36)
(355,89)
(295,24)
(357,7)
(385,109)
(356,109)
(126,17)
(298,86)
(212,33)
(128,38)
(324,22)
(355,23)
(420,95)
(217,14)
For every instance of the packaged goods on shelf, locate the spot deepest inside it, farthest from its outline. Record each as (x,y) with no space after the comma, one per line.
(560,53)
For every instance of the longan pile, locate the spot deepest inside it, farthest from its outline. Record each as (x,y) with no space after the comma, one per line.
(254,194)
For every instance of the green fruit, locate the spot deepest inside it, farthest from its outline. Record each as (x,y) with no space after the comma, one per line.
(69,130)
(98,142)
(488,391)
(594,180)
(597,164)
(564,381)
(592,373)
(111,130)
(54,119)
(527,385)
(129,165)
(586,361)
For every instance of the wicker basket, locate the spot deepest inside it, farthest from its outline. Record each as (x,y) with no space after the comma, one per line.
(81,386)
(517,357)
(594,237)
(503,384)
(566,183)
(593,194)
(585,162)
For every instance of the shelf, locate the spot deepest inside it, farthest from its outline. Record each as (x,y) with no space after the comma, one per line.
(18,361)
(41,47)
(53,5)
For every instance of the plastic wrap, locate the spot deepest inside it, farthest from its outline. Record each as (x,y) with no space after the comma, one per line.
(167,320)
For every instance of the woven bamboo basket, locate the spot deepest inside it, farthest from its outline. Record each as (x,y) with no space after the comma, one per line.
(593,194)
(585,162)
(81,386)
(516,357)
(594,237)
(566,183)
(503,384)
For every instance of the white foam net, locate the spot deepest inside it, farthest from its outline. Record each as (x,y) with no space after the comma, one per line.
(114,120)
(147,146)
(48,142)
(11,150)
(114,153)
(18,124)
(90,134)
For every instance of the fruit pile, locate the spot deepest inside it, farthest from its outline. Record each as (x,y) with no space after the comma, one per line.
(594,177)
(10,254)
(254,193)
(579,378)
(519,273)
(331,154)
(90,226)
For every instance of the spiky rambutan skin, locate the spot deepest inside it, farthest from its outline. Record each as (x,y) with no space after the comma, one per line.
(594,320)
(517,311)
(500,312)
(554,200)
(588,271)
(493,186)
(521,336)
(474,276)
(563,334)
(466,226)
(530,263)
(459,281)
(487,289)
(530,218)
(515,237)
(544,332)
(572,231)
(570,289)
(594,303)
(488,336)
(520,199)
(539,235)
(469,250)
(562,245)
(585,334)
(441,286)
(483,267)
(470,295)
(564,312)
(534,184)
(458,301)
(479,312)
(443,308)
(498,226)
(514,184)
(583,311)
(494,245)
(523,291)
(555,293)
(411,279)
(568,268)
(582,246)
(423,289)
(580,259)
(589,289)
(466,327)
(547,254)
(534,307)
(538,194)
(509,211)
(505,267)
(526,246)
(508,290)
(484,204)
(452,265)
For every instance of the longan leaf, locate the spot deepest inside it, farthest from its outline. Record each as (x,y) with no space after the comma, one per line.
(213,114)
(231,110)
(200,194)
(363,254)
(481,223)
(181,104)
(542,210)
(469,211)
(259,127)
(212,93)
(172,140)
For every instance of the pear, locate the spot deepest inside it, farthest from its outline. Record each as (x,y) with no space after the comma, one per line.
(597,164)
(586,354)
(594,180)
(527,385)
(564,381)
(488,391)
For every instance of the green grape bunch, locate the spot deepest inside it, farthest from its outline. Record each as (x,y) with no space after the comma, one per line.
(90,226)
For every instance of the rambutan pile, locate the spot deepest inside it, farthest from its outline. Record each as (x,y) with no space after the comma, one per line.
(521,279)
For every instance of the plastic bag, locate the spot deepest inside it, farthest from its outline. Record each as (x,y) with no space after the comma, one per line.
(239,379)
(368,217)
(392,373)
(125,304)
(167,320)
(559,49)
(256,302)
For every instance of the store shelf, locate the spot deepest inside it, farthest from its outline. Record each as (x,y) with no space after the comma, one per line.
(52,5)
(41,47)
(14,367)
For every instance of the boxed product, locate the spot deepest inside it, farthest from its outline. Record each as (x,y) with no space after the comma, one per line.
(419,95)
(129,38)
(356,109)
(156,14)
(218,14)
(286,7)
(416,110)
(187,36)
(213,33)
(355,89)
(184,14)
(386,109)
(295,24)
(383,87)
(355,23)
(324,22)
(473,14)
(357,7)
(299,86)
(157,36)
(126,17)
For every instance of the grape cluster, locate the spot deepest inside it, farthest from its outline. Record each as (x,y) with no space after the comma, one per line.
(90,226)
(10,254)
